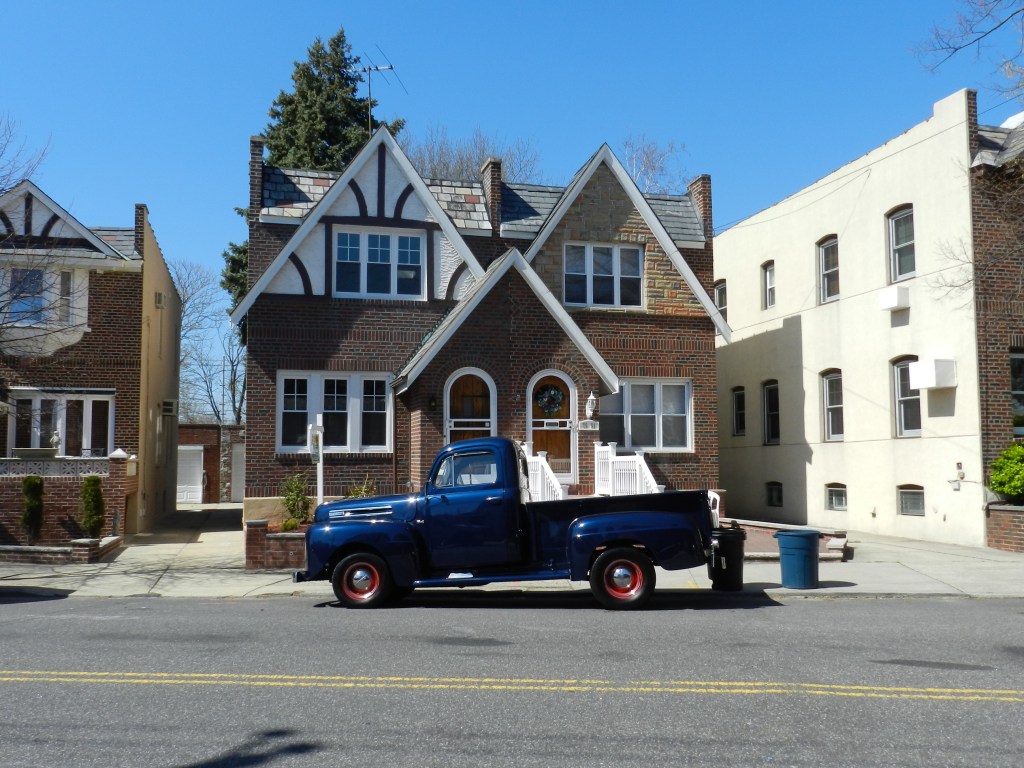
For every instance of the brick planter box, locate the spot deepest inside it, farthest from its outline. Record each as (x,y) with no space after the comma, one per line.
(270,551)
(1004,527)
(77,551)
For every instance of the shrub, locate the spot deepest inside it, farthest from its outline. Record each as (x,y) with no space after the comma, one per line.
(1007,473)
(367,488)
(90,504)
(289,524)
(32,514)
(296,502)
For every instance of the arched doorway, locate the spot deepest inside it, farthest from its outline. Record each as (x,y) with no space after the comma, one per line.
(469,403)
(552,405)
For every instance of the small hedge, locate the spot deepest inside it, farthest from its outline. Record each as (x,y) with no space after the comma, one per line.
(1007,473)
(32,514)
(91,506)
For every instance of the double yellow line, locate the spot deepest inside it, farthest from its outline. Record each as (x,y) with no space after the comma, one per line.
(678,687)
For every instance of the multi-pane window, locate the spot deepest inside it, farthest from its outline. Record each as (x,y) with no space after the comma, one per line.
(828,265)
(910,499)
(27,296)
(773,494)
(739,411)
(355,410)
(907,401)
(770,403)
(1017,392)
(901,244)
(378,264)
(835,497)
(768,284)
(76,423)
(603,275)
(722,299)
(832,404)
(648,414)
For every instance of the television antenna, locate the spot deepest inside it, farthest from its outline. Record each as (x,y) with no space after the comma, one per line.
(368,71)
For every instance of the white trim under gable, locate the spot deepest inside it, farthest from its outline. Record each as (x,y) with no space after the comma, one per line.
(465,308)
(606,156)
(27,187)
(312,219)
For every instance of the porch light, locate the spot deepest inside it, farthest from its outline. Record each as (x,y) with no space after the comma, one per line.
(591,405)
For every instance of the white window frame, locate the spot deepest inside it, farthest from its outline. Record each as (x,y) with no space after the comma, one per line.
(60,400)
(627,414)
(459,424)
(895,275)
(56,307)
(1017,392)
(767,437)
(616,276)
(830,407)
(826,273)
(832,497)
(773,494)
(902,400)
(768,285)
(394,257)
(739,411)
(904,495)
(355,400)
(722,299)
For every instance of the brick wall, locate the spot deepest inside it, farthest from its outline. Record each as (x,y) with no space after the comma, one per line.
(1005,527)
(265,550)
(61,517)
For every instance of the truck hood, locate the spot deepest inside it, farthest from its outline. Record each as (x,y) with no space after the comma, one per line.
(400,507)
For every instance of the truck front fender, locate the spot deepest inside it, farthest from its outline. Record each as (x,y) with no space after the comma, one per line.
(672,540)
(392,540)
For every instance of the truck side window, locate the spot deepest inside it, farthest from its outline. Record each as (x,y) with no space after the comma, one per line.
(469,469)
(443,478)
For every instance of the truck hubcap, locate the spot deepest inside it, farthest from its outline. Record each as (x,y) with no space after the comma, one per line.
(623,579)
(361,581)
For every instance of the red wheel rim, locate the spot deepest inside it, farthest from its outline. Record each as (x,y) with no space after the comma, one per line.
(361,581)
(623,579)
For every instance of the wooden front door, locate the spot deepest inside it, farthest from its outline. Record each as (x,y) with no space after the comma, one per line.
(469,408)
(551,425)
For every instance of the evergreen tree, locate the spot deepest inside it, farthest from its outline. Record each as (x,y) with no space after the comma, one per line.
(322,123)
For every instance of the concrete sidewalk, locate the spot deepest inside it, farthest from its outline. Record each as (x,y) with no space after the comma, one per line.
(199,552)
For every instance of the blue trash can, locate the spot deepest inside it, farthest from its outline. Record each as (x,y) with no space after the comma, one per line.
(798,553)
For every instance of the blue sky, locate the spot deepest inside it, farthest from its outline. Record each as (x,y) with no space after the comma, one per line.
(154,102)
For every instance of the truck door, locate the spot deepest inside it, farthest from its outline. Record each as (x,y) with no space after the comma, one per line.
(470,519)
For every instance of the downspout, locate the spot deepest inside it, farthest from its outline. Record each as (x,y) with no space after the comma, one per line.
(394,441)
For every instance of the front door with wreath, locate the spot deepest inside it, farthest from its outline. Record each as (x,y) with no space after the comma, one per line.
(551,425)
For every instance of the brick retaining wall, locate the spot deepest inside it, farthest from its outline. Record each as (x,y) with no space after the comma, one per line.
(1004,525)
(266,550)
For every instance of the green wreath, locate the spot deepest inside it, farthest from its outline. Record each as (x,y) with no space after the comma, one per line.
(549,399)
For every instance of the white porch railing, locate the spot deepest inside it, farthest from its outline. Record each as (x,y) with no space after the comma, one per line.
(544,486)
(621,475)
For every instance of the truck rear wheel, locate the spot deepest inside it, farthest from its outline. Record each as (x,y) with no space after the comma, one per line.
(622,578)
(361,581)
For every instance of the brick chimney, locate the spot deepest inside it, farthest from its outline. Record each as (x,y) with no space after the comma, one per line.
(141,214)
(490,176)
(700,191)
(256,144)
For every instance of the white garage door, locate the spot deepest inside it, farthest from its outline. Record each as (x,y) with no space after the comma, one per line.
(190,474)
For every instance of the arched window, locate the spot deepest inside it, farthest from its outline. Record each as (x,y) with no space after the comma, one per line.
(828,268)
(910,500)
(906,401)
(773,494)
(901,243)
(832,404)
(739,411)
(768,285)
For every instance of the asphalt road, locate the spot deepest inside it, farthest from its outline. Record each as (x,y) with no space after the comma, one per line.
(495,680)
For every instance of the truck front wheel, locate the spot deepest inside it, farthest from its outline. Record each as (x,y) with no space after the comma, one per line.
(622,578)
(361,581)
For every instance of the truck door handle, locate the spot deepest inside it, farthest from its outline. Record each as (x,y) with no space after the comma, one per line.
(493,499)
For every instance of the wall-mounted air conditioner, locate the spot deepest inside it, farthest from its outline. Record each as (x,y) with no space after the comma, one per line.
(893,298)
(933,374)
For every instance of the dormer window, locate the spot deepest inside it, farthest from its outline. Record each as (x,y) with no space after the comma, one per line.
(603,275)
(372,264)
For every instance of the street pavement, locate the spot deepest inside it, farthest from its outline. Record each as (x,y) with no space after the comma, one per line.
(199,552)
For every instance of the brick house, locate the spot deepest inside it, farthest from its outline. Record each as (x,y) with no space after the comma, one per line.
(89,364)
(411,312)
(876,365)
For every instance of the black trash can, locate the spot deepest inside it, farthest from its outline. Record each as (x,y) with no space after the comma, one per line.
(798,554)
(726,566)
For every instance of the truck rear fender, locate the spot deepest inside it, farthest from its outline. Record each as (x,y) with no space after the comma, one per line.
(670,540)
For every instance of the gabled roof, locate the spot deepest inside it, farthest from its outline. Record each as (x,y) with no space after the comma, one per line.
(99,243)
(454,320)
(605,156)
(335,190)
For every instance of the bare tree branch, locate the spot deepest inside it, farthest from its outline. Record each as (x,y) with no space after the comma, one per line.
(654,167)
(977,26)
(438,156)
(16,162)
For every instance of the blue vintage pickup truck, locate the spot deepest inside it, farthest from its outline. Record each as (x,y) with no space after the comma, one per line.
(474,524)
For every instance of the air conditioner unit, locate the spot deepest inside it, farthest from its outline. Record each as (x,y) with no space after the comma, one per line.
(932,374)
(160,299)
(893,298)
(169,408)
